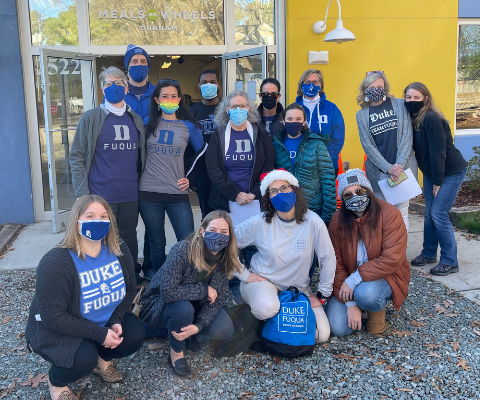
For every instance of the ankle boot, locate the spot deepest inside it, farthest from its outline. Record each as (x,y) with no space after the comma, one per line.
(376,322)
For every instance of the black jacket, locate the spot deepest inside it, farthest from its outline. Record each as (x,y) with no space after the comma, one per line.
(223,188)
(436,154)
(57,300)
(277,124)
(194,164)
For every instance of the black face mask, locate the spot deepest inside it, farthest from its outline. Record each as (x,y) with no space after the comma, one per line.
(269,102)
(414,106)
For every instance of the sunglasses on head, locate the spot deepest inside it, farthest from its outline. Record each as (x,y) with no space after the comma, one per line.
(172,81)
(374,72)
(359,192)
(273,94)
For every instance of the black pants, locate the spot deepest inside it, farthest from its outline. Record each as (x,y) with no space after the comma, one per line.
(86,357)
(203,193)
(126,215)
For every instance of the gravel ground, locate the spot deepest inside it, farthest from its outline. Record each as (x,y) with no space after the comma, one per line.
(430,352)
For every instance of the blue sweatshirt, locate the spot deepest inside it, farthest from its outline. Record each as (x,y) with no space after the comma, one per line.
(327,120)
(139,105)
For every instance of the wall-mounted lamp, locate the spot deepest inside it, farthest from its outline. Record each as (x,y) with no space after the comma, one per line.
(339,34)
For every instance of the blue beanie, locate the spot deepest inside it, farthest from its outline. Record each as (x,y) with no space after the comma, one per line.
(131,51)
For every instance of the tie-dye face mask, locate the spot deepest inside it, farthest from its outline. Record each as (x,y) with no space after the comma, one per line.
(168,106)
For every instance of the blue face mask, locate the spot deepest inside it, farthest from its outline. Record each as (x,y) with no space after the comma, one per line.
(114,94)
(94,230)
(284,202)
(209,91)
(238,116)
(293,128)
(138,72)
(357,203)
(310,90)
(216,241)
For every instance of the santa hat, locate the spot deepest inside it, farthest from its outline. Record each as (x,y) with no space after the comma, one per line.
(276,175)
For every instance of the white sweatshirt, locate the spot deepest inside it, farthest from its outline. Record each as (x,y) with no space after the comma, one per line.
(286,260)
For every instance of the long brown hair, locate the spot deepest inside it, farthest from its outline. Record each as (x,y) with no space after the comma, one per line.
(428,104)
(301,205)
(347,221)
(196,250)
(72,236)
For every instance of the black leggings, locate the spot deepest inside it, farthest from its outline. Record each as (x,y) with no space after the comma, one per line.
(86,357)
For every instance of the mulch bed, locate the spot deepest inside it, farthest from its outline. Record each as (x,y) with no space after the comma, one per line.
(465,197)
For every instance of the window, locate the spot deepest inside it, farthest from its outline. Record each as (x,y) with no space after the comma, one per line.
(468,78)
(254,22)
(53,23)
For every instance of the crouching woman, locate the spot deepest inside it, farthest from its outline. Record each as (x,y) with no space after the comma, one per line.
(186,295)
(370,241)
(79,319)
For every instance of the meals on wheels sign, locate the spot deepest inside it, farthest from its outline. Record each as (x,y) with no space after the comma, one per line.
(156,22)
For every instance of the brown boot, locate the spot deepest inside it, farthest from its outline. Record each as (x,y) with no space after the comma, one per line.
(376,322)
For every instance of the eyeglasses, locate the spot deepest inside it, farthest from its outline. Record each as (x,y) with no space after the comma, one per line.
(359,192)
(273,94)
(235,106)
(118,82)
(283,189)
(374,72)
(172,81)
(316,83)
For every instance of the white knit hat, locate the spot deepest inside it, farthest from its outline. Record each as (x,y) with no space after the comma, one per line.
(276,175)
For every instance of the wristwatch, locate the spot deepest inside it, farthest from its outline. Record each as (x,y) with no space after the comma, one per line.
(321,298)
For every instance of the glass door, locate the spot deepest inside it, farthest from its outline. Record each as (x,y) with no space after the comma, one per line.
(68,88)
(245,70)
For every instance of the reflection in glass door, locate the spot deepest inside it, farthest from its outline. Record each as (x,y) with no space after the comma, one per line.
(245,70)
(68,91)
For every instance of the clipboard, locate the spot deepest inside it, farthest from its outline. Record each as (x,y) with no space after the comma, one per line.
(407,190)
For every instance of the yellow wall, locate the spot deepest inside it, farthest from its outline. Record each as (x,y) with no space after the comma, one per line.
(411,40)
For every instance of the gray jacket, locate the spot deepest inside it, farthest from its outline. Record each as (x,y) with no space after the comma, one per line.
(85,142)
(375,161)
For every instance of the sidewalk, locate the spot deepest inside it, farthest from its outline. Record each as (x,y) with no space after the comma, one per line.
(34,241)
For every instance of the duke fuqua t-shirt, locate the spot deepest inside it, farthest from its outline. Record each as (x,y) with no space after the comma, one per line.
(292,146)
(239,159)
(102,285)
(383,128)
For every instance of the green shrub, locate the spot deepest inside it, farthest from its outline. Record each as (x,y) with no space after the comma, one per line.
(473,170)
(470,222)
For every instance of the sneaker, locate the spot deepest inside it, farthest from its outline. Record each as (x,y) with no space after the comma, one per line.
(442,269)
(149,274)
(421,260)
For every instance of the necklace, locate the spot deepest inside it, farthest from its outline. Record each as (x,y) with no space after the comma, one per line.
(288,232)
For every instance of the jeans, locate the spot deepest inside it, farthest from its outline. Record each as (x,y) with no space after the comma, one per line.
(179,314)
(126,215)
(153,215)
(86,357)
(437,228)
(370,296)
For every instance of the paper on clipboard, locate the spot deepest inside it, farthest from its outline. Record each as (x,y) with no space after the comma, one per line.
(406,190)
(239,213)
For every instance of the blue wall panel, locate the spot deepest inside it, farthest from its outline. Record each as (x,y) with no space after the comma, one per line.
(464,143)
(15,180)
(468,8)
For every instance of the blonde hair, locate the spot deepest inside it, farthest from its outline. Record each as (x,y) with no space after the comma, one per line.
(196,250)
(428,104)
(367,81)
(305,75)
(72,237)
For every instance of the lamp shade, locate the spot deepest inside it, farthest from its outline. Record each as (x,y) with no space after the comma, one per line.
(339,34)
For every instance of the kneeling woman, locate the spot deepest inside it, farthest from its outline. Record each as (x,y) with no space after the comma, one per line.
(187,294)
(287,236)
(79,319)
(370,241)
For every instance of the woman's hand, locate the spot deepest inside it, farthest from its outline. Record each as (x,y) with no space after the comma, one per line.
(117,328)
(251,196)
(395,170)
(188,331)
(243,198)
(354,316)
(212,295)
(346,294)
(183,184)
(255,278)
(112,340)
(314,301)
(435,190)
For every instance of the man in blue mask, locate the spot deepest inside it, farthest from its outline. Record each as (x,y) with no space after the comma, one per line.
(204,111)
(137,64)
